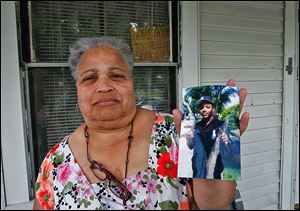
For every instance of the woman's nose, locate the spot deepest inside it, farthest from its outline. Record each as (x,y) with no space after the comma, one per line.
(103,85)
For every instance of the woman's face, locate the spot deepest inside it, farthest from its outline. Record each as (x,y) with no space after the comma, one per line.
(104,85)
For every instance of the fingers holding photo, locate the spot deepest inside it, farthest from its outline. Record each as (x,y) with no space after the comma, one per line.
(177,115)
(244,120)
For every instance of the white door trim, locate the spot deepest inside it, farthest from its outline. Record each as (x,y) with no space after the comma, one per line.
(190,50)
(288,125)
(190,47)
(296,197)
(13,140)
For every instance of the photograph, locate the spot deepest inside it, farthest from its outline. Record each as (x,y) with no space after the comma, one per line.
(209,145)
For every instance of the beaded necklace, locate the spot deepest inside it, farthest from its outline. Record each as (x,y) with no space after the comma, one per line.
(130,139)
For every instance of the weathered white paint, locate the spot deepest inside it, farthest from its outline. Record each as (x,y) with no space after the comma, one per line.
(263,146)
(296,198)
(238,35)
(268,4)
(256,87)
(217,61)
(272,207)
(264,110)
(270,200)
(288,132)
(260,158)
(261,191)
(240,49)
(242,9)
(261,134)
(237,22)
(261,169)
(259,181)
(12,128)
(263,99)
(216,75)
(264,122)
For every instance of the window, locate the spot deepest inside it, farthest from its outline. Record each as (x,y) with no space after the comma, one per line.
(48,29)
(57,24)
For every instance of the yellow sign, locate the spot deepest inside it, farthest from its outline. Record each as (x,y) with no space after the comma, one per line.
(151,44)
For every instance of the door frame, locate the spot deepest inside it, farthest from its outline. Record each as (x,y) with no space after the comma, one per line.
(288,153)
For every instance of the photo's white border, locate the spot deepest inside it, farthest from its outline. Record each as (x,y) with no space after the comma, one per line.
(191,117)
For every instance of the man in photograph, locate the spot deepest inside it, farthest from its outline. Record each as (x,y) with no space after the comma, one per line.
(209,134)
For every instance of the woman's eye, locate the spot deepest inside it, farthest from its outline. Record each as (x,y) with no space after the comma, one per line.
(88,78)
(117,76)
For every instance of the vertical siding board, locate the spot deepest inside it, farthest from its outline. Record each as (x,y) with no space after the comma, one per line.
(244,40)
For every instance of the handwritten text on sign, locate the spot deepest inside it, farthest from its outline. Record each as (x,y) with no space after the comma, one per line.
(151,44)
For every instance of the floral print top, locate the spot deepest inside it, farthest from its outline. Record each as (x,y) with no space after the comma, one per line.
(61,184)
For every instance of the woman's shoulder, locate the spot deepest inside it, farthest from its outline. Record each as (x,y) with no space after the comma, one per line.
(59,146)
(164,126)
(149,112)
(151,117)
(164,117)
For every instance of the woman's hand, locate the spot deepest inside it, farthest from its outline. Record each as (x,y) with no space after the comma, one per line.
(244,120)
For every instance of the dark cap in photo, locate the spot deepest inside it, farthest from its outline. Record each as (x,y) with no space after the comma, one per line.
(205,99)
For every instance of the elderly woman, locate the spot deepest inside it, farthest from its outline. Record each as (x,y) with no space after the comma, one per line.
(121,156)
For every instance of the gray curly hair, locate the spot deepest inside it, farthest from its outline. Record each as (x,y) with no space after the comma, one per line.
(84,44)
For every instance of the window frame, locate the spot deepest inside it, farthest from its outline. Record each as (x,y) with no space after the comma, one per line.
(28,61)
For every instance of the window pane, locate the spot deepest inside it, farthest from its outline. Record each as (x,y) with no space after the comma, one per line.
(57,24)
(152,86)
(53,107)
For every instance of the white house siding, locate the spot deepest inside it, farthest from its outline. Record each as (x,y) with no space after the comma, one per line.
(244,40)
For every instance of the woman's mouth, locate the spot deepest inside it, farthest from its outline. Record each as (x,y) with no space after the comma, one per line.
(106,102)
